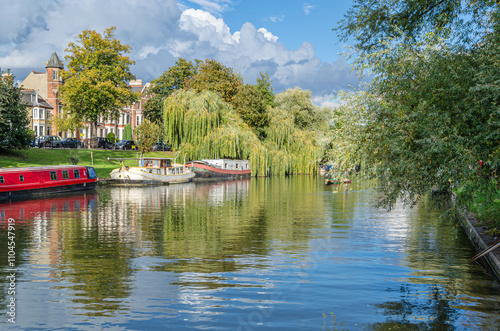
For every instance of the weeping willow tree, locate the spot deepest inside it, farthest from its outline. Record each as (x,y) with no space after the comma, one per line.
(202,125)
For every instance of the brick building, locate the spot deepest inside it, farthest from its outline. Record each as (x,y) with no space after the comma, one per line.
(46,85)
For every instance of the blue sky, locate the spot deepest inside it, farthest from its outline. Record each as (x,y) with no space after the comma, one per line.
(291,40)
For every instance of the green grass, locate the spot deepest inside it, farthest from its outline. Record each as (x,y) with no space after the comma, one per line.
(103,166)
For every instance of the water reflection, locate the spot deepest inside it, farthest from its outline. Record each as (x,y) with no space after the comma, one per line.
(272,253)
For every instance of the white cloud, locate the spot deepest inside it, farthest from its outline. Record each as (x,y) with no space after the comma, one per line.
(159,33)
(277,18)
(307,8)
(213,6)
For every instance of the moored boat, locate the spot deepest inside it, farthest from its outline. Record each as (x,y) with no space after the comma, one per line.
(32,181)
(154,169)
(220,168)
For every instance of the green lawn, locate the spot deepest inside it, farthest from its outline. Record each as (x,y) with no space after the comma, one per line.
(103,167)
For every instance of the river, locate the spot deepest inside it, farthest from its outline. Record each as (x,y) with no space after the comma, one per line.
(257,254)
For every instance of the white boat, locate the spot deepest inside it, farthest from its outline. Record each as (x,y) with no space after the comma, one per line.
(154,169)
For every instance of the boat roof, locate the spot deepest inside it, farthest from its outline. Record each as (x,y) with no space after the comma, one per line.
(156,158)
(40,168)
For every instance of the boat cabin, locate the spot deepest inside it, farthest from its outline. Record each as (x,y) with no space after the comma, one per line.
(155,163)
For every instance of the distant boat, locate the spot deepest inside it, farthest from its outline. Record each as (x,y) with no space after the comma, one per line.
(158,169)
(33,181)
(220,168)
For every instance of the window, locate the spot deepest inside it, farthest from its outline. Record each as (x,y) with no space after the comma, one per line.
(41,113)
(76,173)
(21,178)
(35,113)
(2,180)
(236,165)
(53,175)
(65,174)
(55,74)
(138,120)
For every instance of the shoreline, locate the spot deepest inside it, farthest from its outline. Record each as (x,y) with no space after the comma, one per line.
(481,241)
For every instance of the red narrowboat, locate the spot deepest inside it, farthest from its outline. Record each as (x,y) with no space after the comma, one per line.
(32,181)
(220,168)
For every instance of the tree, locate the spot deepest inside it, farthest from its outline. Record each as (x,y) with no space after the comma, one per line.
(429,118)
(127,132)
(265,89)
(14,132)
(214,76)
(251,106)
(97,76)
(297,103)
(377,25)
(170,81)
(147,134)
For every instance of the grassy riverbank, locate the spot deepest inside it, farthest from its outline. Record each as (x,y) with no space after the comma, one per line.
(103,167)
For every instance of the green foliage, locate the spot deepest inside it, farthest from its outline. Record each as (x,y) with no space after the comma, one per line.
(111,136)
(204,126)
(127,132)
(252,108)
(265,89)
(170,81)
(14,133)
(214,76)
(429,117)
(298,104)
(377,25)
(147,135)
(96,81)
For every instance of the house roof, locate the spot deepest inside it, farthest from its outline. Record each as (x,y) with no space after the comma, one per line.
(54,62)
(28,101)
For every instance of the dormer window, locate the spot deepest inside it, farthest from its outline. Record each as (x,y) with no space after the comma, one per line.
(34,98)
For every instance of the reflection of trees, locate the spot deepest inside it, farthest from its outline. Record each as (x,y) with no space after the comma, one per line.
(95,257)
(218,222)
(428,302)
(431,310)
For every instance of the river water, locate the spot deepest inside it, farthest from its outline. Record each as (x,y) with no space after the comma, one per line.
(259,254)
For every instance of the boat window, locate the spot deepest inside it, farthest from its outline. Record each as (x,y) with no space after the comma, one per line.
(149,163)
(236,165)
(53,175)
(65,174)
(91,173)
(76,173)
(225,165)
(168,163)
(21,178)
(2,180)
(156,163)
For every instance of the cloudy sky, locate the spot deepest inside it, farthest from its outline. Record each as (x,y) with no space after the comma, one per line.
(291,40)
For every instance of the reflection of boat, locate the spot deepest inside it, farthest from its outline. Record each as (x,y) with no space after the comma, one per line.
(221,168)
(331,181)
(154,169)
(30,181)
(27,210)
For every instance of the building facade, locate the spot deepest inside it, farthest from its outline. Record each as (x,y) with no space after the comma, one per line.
(39,112)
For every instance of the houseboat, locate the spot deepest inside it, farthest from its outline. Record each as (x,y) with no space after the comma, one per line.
(162,170)
(220,168)
(33,181)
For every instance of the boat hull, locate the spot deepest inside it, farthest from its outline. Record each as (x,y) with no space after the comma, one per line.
(41,181)
(206,171)
(141,174)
